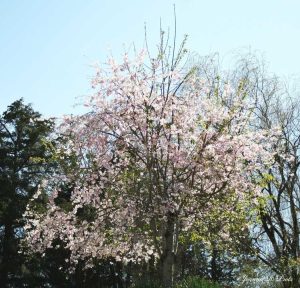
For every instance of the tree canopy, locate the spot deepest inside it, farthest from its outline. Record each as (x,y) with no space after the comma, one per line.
(158,147)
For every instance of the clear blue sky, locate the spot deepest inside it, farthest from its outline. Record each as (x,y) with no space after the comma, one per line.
(47,47)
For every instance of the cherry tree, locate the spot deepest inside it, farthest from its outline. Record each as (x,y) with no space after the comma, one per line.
(157,147)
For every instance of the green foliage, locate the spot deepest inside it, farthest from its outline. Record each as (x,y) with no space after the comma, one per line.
(264,179)
(87,213)
(142,283)
(26,150)
(189,282)
(196,282)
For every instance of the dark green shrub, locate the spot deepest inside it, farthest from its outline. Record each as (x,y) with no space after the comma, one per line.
(142,283)
(189,282)
(196,282)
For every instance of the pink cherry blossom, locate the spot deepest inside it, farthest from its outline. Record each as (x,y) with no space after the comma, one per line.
(153,152)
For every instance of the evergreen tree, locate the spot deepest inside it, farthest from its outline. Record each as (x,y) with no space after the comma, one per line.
(25,151)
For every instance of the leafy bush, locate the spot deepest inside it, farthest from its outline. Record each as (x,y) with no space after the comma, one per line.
(196,282)
(142,283)
(189,282)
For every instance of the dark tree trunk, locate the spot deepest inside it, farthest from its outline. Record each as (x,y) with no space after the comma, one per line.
(213,264)
(7,255)
(168,257)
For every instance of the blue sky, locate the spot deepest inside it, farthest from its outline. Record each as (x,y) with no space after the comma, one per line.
(47,48)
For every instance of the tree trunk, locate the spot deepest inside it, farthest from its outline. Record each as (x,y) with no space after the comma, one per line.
(294,277)
(6,255)
(213,263)
(168,270)
(169,254)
